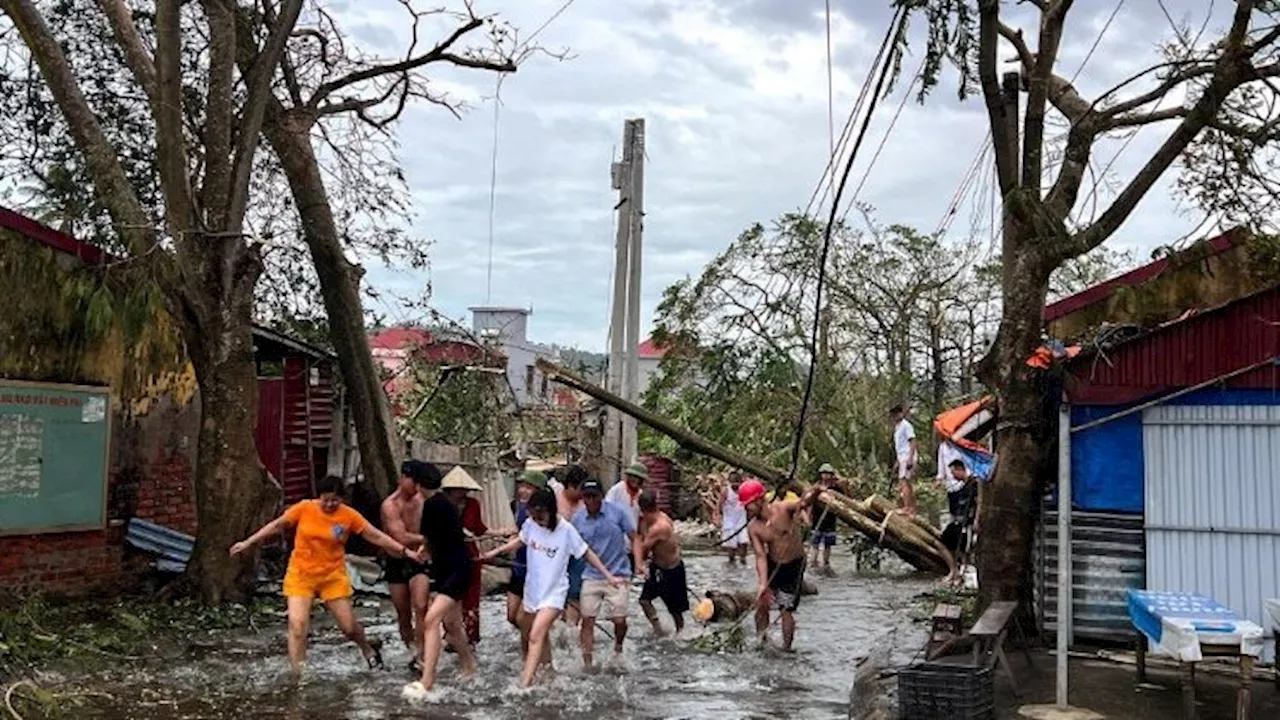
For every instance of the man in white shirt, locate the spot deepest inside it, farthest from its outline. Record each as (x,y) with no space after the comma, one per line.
(906,451)
(626,494)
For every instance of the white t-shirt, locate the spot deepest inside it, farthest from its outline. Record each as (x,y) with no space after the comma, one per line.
(619,495)
(947,454)
(903,434)
(546,582)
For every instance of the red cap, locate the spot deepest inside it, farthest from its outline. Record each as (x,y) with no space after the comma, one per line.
(750,491)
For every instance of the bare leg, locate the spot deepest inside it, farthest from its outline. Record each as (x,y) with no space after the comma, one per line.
(299,612)
(908,497)
(619,633)
(788,629)
(345,616)
(826,556)
(678,619)
(406,618)
(444,610)
(420,597)
(587,636)
(538,644)
(515,616)
(762,619)
(456,631)
(651,613)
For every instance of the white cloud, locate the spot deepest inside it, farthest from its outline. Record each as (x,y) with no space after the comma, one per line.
(734,94)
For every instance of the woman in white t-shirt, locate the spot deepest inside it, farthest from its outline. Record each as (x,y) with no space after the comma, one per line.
(551,542)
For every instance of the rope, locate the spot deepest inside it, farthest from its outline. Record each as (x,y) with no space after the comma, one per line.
(887,65)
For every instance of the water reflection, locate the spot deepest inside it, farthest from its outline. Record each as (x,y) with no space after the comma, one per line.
(245,676)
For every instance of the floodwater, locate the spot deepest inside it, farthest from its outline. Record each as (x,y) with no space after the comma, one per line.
(245,675)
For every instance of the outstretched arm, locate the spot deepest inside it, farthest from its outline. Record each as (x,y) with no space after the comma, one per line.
(263,533)
(394,547)
(511,546)
(595,562)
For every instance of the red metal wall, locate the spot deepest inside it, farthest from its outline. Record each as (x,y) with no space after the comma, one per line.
(664,479)
(270,428)
(1184,354)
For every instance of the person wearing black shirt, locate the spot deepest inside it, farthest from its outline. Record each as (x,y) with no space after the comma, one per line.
(824,530)
(450,576)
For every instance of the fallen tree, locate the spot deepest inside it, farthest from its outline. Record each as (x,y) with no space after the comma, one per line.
(912,539)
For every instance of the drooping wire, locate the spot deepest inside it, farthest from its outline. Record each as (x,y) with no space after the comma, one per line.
(884,139)
(831,97)
(493,185)
(895,28)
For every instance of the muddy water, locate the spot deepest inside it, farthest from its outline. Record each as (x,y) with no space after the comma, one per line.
(244,676)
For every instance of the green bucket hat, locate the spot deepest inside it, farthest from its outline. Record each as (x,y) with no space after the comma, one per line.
(826,468)
(638,470)
(536,478)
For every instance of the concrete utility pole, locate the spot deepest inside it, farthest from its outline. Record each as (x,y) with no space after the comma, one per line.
(635,138)
(624,327)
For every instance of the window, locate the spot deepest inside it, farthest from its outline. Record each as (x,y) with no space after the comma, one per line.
(528,379)
(544,386)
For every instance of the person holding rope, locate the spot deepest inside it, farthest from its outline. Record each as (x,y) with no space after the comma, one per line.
(776,539)
(732,519)
(664,575)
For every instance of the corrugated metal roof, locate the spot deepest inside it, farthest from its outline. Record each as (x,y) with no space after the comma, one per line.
(1104,290)
(1181,354)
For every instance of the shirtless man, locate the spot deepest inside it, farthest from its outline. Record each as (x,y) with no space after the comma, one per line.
(776,538)
(664,575)
(407,579)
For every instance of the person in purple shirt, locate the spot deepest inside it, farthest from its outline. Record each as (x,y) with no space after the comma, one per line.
(610,533)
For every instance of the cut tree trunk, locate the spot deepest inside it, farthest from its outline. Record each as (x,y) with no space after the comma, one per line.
(289,136)
(911,539)
(234,494)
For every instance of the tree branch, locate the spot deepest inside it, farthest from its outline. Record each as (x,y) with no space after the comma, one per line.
(1231,70)
(111,183)
(171,150)
(1005,146)
(1051,24)
(260,92)
(135,54)
(439,53)
(219,114)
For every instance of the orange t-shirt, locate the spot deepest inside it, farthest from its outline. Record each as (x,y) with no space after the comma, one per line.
(320,538)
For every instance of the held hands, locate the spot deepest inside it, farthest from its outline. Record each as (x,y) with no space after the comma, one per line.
(419,556)
(616,581)
(239,548)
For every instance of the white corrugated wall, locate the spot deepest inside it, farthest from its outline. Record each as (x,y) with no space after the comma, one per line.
(1212,479)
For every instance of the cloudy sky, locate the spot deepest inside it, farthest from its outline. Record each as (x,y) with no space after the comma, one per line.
(734,93)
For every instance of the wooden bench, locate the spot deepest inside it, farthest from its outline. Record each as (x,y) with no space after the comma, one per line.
(989,634)
(947,626)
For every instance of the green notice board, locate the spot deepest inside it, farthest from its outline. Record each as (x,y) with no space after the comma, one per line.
(54,442)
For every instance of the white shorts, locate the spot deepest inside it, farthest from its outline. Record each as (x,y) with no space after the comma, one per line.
(904,471)
(727,537)
(595,593)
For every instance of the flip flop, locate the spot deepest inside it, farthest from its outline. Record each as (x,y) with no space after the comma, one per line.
(375,660)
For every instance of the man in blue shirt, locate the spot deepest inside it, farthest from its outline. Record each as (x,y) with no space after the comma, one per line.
(610,533)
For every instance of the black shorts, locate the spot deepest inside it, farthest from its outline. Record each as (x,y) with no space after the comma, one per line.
(515,586)
(399,571)
(670,586)
(451,579)
(786,581)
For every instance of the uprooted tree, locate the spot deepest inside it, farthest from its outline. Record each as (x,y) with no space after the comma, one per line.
(912,539)
(1210,90)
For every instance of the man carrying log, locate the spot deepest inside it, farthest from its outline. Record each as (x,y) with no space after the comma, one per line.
(775,534)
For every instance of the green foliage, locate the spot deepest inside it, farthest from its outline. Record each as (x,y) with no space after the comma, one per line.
(448,403)
(952,32)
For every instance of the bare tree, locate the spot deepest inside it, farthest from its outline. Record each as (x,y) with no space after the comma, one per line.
(331,90)
(1186,94)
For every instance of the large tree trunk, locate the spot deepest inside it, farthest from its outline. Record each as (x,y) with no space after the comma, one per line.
(1010,501)
(234,494)
(289,135)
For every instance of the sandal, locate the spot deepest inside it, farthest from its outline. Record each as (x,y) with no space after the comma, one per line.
(375,660)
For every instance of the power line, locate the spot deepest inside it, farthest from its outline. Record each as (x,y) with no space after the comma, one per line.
(1098,40)
(493,186)
(897,23)
(883,140)
(548,22)
(831,103)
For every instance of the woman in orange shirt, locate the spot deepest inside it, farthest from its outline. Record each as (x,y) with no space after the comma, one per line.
(318,565)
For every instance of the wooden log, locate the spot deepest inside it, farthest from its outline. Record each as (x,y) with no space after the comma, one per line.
(911,539)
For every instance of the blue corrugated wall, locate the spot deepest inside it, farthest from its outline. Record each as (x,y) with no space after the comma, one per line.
(1106,461)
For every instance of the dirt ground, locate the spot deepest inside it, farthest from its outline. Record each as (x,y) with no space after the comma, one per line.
(1108,688)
